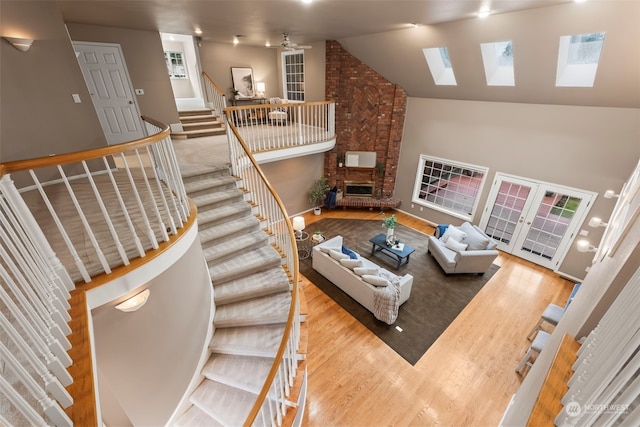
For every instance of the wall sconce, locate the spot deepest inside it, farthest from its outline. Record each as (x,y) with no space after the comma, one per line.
(261,88)
(610,194)
(585,246)
(298,226)
(135,302)
(22,45)
(597,222)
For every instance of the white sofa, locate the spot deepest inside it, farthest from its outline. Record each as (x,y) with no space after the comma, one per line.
(351,283)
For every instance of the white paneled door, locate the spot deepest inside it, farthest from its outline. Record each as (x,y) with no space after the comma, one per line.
(107,79)
(534,220)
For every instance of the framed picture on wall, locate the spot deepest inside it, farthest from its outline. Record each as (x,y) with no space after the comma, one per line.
(242,78)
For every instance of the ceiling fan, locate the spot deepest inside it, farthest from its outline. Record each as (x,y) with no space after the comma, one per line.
(288,44)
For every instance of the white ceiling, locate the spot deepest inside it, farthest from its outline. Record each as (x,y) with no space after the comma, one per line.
(379,33)
(266,20)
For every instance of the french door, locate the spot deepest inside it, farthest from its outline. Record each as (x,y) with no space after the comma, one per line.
(534,220)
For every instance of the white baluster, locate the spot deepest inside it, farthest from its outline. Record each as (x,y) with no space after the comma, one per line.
(85,223)
(123,207)
(47,305)
(65,236)
(107,217)
(152,200)
(50,407)
(18,242)
(165,205)
(43,336)
(17,203)
(151,236)
(52,384)
(20,404)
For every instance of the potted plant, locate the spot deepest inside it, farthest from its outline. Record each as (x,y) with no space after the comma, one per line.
(340,161)
(318,237)
(380,167)
(235,93)
(317,192)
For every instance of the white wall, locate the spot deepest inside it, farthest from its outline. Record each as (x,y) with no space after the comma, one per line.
(149,356)
(591,148)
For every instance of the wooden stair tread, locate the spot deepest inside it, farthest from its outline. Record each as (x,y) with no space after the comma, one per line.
(548,405)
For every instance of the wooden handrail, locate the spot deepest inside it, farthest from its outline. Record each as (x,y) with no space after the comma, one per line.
(208,77)
(294,295)
(77,156)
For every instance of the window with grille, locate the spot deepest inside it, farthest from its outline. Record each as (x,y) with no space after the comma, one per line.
(176,65)
(293,75)
(449,186)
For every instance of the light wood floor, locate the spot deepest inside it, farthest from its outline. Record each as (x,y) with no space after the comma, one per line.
(465,379)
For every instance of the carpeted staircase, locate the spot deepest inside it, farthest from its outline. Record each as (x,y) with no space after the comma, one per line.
(198,123)
(252,298)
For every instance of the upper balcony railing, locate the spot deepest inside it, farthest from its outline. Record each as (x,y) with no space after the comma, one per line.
(269,127)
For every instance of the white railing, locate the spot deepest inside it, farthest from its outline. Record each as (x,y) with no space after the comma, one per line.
(272,403)
(215,98)
(34,295)
(66,219)
(103,208)
(267,127)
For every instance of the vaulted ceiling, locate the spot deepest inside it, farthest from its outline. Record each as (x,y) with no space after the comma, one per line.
(379,32)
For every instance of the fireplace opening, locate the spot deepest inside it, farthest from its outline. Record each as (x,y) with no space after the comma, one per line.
(359,188)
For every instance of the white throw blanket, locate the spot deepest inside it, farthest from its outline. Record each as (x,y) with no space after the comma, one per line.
(386,300)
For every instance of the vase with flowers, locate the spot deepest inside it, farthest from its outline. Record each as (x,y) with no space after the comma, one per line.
(389,222)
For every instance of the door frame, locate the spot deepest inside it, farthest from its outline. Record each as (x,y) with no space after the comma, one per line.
(128,82)
(538,187)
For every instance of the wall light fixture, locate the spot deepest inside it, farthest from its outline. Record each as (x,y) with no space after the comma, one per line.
(610,194)
(22,45)
(597,222)
(584,246)
(135,302)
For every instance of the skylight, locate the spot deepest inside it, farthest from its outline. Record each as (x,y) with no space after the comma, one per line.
(440,66)
(578,58)
(498,63)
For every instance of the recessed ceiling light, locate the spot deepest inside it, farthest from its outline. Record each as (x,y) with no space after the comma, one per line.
(415,24)
(307,1)
(483,13)
(267,44)
(198,31)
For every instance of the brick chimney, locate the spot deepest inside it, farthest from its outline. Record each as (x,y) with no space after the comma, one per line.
(370,114)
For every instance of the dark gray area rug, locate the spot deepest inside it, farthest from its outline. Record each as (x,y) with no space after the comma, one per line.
(435,301)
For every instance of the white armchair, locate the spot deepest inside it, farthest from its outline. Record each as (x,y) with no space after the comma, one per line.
(464,249)
(278,115)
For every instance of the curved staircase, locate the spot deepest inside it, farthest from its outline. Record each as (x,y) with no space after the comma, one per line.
(252,299)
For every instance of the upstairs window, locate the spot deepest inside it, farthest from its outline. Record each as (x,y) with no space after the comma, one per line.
(440,66)
(176,65)
(578,58)
(293,75)
(498,63)
(449,186)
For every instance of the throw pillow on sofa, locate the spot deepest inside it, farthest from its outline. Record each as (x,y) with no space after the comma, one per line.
(361,271)
(456,246)
(440,229)
(351,263)
(375,280)
(453,233)
(337,255)
(347,251)
(475,240)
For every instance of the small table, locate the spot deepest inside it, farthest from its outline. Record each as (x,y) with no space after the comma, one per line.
(379,244)
(302,243)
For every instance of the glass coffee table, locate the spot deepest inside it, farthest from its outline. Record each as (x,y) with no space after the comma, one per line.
(400,253)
